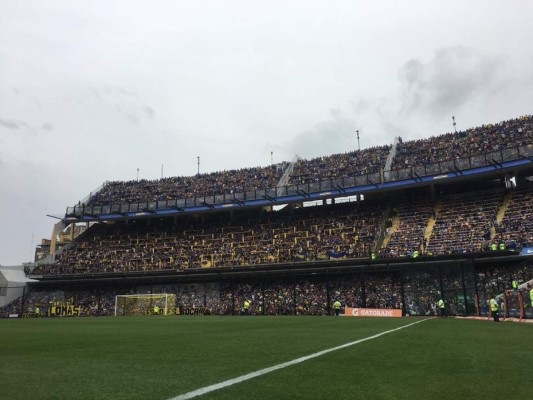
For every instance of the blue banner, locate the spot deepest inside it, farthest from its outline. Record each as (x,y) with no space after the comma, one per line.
(334,254)
(527,251)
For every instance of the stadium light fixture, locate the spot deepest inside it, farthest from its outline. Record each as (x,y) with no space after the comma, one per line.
(454,123)
(358,145)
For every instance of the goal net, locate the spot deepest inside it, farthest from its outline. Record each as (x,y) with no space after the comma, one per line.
(144,304)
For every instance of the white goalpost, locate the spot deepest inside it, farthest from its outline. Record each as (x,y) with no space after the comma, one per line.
(144,304)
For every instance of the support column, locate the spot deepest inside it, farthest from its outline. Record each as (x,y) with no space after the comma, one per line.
(55,231)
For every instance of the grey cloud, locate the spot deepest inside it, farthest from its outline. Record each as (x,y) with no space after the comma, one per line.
(123,102)
(9,124)
(360,106)
(133,118)
(335,112)
(149,111)
(327,137)
(112,90)
(48,127)
(96,94)
(126,92)
(12,124)
(454,77)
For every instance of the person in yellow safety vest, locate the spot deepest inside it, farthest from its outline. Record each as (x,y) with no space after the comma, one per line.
(493,247)
(372,255)
(337,307)
(156,310)
(415,254)
(37,312)
(246,307)
(494,310)
(530,293)
(515,284)
(502,246)
(442,308)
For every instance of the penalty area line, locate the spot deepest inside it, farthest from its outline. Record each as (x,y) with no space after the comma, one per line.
(242,378)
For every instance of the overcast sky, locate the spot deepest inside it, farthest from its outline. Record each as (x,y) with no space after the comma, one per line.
(91,91)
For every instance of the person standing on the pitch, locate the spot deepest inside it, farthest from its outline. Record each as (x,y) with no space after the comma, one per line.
(246,307)
(442,308)
(337,307)
(494,309)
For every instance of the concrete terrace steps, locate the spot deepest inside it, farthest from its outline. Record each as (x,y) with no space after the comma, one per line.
(392,229)
(431,223)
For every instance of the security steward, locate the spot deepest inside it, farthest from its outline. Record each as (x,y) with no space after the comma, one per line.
(442,308)
(246,307)
(337,307)
(494,310)
(156,310)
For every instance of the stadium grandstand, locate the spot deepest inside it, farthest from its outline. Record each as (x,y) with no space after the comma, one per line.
(394,227)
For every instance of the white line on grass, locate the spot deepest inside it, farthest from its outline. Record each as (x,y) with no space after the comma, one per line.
(242,378)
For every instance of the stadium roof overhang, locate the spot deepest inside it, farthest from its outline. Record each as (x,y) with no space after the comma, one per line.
(494,169)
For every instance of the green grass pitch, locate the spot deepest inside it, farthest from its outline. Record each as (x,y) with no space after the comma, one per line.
(162,357)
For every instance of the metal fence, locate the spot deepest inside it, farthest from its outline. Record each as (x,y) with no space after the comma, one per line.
(413,288)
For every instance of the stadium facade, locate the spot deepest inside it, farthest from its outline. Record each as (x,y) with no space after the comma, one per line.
(393,227)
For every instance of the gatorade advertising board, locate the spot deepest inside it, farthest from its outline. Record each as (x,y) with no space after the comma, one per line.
(372,312)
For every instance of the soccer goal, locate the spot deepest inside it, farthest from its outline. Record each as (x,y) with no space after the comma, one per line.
(144,304)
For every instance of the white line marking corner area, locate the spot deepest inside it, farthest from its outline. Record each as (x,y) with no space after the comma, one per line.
(242,378)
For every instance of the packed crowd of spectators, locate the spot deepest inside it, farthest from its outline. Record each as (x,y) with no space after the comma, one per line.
(471,142)
(497,280)
(305,234)
(421,288)
(413,153)
(353,163)
(383,291)
(348,289)
(516,227)
(92,302)
(463,224)
(278,298)
(302,296)
(409,236)
(184,187)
